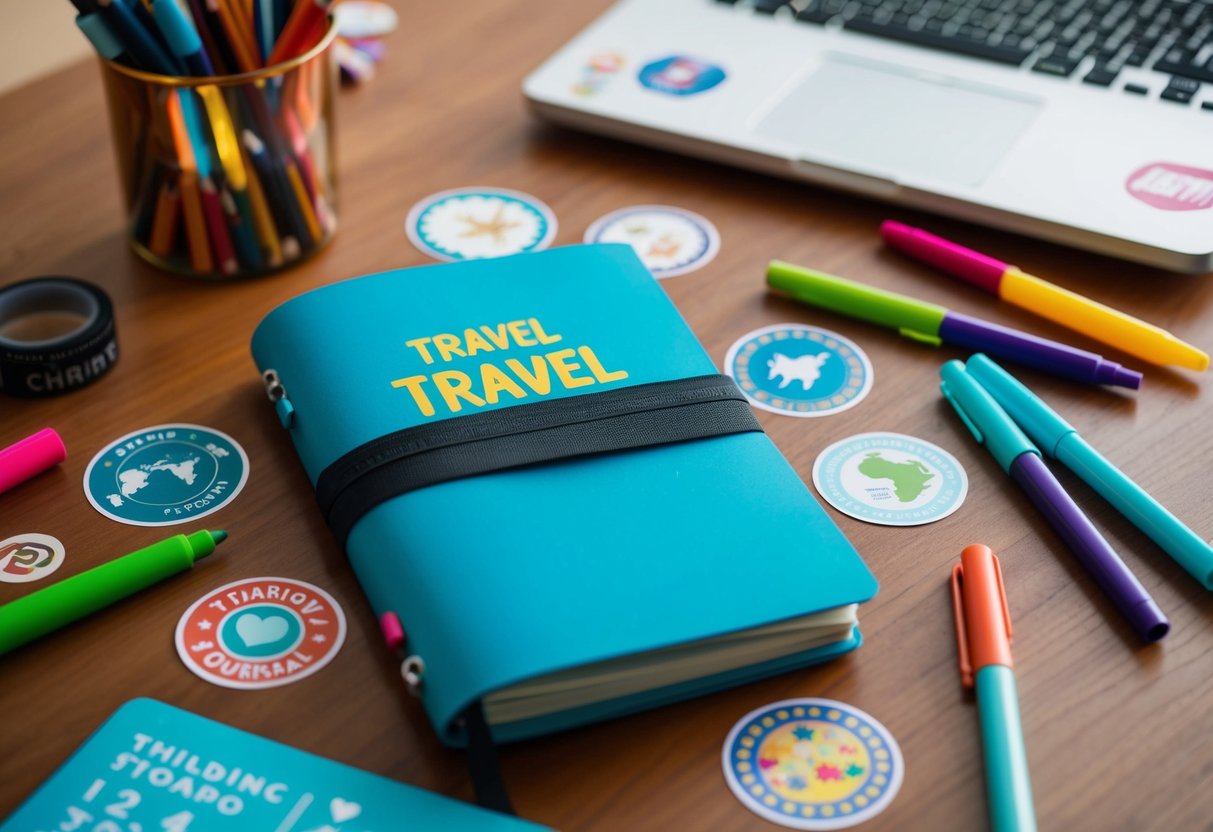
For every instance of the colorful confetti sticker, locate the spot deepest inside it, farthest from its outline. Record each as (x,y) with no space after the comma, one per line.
(260,633)
(474,223)
(799,370)
(29,557)
(890,479)
(777,764)
(669,241)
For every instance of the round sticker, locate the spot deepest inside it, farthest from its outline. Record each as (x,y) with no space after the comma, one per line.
(812,764)
(471,223)
(890,479)
(799,370)
(360,19)
(29,557)
(669,241)
(166,474)
(260,633)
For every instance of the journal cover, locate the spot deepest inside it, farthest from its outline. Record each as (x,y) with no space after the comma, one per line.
(632,564)
(151,766)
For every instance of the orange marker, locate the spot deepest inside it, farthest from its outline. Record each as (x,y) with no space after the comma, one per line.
(303,29)
(191,199)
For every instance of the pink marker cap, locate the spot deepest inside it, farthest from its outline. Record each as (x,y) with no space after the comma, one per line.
(392,629)
(970,266)
(30,457)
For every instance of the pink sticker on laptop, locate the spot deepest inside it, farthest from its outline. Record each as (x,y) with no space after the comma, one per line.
(1171,187)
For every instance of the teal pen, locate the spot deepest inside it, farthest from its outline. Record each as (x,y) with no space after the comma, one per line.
(983,641)
(1058,438)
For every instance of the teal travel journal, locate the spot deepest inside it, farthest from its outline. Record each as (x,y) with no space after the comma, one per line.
(534,465)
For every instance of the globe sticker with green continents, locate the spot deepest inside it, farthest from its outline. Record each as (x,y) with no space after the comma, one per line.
(890,479)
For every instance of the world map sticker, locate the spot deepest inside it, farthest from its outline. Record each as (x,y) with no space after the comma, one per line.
(260,633)
(812,764)
(669,241)
(890,479)
(167,474)
(474,223)
(799,370)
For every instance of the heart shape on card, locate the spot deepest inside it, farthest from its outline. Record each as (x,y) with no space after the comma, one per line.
(255,630)
(343,810)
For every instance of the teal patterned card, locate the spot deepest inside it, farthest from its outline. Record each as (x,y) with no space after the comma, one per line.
(155,768)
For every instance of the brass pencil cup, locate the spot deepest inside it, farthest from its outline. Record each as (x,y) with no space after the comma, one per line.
(229,176)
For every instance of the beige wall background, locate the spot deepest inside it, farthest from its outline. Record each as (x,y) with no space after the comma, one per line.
(37,37)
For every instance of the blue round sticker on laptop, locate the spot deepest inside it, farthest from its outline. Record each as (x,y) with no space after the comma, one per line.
(799,370)
(812,764)
(890,479)
(167,474)
(680,75)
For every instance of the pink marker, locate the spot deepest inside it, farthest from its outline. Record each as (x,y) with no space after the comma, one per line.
(30,457)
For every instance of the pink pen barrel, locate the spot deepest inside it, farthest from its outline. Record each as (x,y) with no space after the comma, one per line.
(970,266)
(30,457)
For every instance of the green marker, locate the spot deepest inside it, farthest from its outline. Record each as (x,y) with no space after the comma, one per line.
(60,604)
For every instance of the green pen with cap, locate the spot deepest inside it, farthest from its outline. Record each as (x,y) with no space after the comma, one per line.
(46,610)
(1059,439)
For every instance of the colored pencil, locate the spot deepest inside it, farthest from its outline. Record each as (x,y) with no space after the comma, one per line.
(164,227)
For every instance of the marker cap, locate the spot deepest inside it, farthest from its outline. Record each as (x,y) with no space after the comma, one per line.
(29,457)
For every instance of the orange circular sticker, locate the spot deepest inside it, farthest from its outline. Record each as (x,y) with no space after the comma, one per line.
(260,633)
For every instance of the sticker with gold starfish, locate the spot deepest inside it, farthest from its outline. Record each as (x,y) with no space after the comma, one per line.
(812,764)
(670,241)
(473,223)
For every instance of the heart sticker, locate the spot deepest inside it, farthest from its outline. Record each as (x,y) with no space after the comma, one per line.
(255,630)
(343,810)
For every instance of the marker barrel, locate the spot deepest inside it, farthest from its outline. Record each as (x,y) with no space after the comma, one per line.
(1008,786)
(1096,554)
(1039,353)
(29,457)
(61,603)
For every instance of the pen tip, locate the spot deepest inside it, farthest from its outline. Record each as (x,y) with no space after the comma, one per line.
(219,536)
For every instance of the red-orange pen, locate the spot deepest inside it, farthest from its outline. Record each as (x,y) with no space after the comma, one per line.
(983,640)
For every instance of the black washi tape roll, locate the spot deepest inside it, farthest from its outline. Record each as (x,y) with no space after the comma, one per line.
(56,335)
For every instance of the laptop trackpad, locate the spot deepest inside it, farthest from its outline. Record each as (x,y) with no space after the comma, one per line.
(897,124)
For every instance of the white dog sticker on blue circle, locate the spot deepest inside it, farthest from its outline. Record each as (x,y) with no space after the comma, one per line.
(680,75)
(166,474)
(799,370)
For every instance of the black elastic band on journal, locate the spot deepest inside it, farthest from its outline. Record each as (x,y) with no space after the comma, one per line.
(624,418)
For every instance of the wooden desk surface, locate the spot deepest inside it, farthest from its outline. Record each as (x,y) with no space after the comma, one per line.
(1119,736)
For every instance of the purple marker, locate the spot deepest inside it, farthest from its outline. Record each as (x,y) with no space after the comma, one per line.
(932,324)
(992,427)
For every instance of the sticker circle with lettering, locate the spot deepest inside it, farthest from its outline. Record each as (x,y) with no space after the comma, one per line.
(812,764)
(29,557)
(890,479)
(474,223)
(669,241)
(799,370)
(260,633)
(167,474)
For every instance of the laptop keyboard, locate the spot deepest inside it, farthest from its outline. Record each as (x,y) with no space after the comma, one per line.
(1097,38)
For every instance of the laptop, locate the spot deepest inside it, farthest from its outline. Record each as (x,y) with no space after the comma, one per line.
(1084,122)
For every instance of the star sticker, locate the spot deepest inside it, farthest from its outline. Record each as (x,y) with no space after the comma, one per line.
(495,228)
(803,733)
(204,625)
(318,638)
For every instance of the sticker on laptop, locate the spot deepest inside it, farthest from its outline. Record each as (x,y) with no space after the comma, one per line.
(1171,187)
(669,241)
(474,223)
(812,764)
(890,479)
(167,474)
(260,633)
(598,70)
(799,370)
(680,75)
(29,557)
